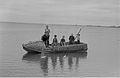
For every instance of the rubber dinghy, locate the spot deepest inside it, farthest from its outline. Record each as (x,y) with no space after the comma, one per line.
(39,46)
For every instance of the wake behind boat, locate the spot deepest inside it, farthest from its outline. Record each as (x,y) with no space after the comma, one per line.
(39,46)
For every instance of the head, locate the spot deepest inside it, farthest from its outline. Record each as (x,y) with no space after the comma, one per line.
(78,34)
(63,36)
(55,35)
(72,34)
(47,26)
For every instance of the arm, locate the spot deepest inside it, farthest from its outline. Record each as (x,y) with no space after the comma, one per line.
(49,30)
(69,37)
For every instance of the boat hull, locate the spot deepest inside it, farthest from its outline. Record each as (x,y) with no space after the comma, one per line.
(40,47)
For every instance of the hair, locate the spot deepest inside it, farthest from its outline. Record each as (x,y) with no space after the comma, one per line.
(55,35)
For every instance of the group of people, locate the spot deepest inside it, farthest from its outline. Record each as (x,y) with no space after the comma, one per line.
(45,39)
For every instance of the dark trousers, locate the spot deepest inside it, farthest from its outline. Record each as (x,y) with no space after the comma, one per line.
(77,42)
(71,42)
(46,43)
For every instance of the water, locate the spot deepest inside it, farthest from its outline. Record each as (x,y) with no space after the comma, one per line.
(101,59)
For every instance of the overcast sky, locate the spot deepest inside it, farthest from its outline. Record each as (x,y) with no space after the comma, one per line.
(94,12)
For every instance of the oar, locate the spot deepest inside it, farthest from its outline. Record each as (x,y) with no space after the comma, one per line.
(79,30)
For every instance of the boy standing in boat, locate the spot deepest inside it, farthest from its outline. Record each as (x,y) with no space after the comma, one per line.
(47,32)
(45,38)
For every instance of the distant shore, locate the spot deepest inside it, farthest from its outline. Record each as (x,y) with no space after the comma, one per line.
(107,26)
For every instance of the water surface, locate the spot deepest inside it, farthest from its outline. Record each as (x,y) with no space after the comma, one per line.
(101,59)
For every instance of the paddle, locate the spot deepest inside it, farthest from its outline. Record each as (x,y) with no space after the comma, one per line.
(79,31)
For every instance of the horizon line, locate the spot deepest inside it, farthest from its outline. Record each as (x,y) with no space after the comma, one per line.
(60,24)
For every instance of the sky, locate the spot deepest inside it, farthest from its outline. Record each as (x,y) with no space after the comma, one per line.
(83,12)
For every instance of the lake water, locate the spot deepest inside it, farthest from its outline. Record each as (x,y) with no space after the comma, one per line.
(101,59)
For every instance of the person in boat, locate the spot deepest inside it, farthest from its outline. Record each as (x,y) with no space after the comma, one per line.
(45,38)
(78,38)
(55,41)
(47,32)
(71,39)
(62,41)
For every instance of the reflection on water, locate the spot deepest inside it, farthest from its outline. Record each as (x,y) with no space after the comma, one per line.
(56,58)
(44,65)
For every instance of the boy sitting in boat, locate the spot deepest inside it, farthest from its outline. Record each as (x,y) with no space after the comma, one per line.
(55,41)
(62,41)
(71,39)
(78,39)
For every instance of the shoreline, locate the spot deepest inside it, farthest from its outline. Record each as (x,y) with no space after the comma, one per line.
(64,24)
